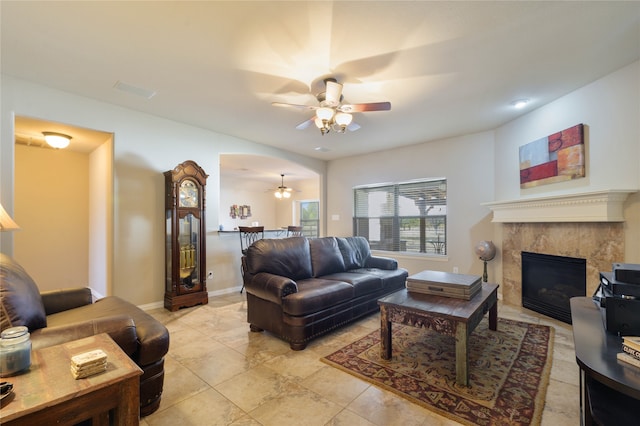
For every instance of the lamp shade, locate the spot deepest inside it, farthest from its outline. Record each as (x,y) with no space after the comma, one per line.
(343,118)
(6,223)
(57,140)
(324,113)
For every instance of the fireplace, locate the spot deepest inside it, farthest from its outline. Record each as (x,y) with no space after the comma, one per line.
(548,282)
(587,225)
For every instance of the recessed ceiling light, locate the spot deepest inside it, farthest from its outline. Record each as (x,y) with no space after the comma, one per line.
(520,103)
(321,149)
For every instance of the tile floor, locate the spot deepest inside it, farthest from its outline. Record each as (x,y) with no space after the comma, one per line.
(217,372)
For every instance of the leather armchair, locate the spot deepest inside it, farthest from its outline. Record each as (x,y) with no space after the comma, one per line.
(60,316)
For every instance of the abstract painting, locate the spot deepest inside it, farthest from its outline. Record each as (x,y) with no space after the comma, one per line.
(555,158)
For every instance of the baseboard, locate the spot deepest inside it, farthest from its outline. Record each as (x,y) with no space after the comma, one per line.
(225,291)
(160,304)
(151,306)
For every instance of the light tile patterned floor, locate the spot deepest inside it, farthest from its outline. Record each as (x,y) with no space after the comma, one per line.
(217,372)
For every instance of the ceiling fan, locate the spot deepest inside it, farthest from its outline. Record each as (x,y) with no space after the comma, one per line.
(282,191)
(331,113)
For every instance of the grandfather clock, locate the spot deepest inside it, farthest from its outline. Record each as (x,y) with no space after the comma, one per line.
(185,252)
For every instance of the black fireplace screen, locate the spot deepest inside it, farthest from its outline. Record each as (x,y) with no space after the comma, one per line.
(548,282)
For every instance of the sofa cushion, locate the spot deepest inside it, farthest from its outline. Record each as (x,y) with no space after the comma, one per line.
(288,257)
(20,301)
(362,283)
(325,256)
(315,295)
(391,279)
(355,251)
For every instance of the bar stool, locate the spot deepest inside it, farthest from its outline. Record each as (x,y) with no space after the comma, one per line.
(294,231)
(248,236)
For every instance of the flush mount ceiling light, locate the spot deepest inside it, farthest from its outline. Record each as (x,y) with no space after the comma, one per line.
(57,140)
(520,103)
(282,191)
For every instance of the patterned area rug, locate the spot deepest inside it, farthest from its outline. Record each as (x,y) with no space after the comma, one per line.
(508,371)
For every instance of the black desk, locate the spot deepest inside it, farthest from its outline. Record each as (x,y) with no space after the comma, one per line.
(607,383)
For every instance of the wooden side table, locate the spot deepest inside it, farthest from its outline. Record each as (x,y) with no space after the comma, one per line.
(446,315)
(47,393)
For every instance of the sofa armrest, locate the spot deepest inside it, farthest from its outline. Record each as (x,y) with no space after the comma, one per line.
(120,328)
(381,263)
(271,287)
(55,301)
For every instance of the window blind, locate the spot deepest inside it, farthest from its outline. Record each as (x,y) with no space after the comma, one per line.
(406,216)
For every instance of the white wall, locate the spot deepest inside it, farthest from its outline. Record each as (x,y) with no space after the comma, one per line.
(52,209)
(468,165)
(266,209)
(484,167)
(287,210)
(479,168)
(246,192)
(610,110)
(144,147)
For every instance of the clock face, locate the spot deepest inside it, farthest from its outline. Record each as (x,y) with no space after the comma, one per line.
(188,194)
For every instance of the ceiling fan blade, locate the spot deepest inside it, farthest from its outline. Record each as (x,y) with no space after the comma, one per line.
(373,106)
(333,92)
(305,123)
(282,104)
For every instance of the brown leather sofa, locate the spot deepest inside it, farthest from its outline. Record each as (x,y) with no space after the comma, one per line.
(60,316)
(299,288)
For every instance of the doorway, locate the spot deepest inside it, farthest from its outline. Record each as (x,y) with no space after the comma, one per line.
(64,204)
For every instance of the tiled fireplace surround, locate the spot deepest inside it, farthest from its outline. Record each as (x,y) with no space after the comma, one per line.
(589,226)
(600,243)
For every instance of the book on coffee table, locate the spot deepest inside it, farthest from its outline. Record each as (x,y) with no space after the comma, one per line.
(447,284)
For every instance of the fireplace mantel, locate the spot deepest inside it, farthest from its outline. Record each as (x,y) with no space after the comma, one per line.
(600,206)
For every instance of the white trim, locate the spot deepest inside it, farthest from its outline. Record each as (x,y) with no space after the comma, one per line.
(157,305)
(600,206)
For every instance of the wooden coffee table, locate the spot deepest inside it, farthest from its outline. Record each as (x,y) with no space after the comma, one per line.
(47,393)
(445,315)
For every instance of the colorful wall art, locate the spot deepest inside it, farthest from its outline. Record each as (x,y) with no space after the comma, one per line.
(555,158)
(242,212)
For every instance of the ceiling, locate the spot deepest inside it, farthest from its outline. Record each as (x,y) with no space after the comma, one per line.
(264,169)
(448,68)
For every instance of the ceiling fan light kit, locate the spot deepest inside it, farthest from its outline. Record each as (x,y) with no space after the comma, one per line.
(282,191)
(332,114)
(280,194)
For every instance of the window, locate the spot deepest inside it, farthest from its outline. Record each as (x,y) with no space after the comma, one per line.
(408,216)
(309,218)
